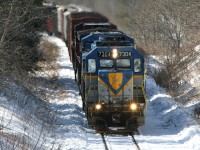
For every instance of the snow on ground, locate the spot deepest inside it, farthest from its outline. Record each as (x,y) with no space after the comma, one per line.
(20,126)
(168,126)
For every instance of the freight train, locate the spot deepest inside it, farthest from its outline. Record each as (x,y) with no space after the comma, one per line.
(108,69)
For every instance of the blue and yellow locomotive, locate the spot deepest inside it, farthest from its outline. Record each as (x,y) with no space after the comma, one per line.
(111,80)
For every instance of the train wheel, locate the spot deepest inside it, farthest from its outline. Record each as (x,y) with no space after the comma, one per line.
(75,70)
(78,78)
(75,75)
(79,73)
(83,105)
(86,109)
(74,62)
(83,89)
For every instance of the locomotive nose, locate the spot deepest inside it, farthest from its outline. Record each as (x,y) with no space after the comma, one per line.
(115,86)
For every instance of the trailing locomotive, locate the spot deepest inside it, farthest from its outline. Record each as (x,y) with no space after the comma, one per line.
(109,72)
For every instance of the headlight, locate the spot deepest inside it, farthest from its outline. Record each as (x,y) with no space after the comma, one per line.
(133,106)
(114,53)
(98,106)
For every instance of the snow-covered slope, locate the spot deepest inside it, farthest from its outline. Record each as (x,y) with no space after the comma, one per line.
(20,123)
(167,125)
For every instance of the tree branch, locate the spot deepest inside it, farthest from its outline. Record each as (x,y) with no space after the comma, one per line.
(6,26)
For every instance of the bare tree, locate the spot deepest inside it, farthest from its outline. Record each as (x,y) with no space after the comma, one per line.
(19,23)
(168,28)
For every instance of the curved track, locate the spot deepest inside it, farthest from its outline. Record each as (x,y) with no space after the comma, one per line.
(119,141)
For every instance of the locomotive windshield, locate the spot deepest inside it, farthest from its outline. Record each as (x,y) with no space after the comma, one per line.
(121,63)
(108,63)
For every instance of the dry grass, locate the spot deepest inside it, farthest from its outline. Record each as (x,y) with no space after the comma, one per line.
(42,83)
(17,141)
(50,53)
(49,50)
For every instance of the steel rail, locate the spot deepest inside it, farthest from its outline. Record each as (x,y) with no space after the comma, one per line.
(104,141)
(134,141)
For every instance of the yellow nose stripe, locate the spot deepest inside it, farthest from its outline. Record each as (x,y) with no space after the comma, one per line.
(115,80)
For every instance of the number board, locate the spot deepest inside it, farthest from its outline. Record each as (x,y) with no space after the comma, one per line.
(109,54)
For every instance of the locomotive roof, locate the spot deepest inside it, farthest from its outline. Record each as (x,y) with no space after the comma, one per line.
(97,30)
(110,37)
(113,43)
(93,23)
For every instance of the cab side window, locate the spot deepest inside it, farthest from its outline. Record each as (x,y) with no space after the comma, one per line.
(137,65)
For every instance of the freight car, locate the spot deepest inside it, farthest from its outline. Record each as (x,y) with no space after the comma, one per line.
(57,18)
(51,20)
(109,72)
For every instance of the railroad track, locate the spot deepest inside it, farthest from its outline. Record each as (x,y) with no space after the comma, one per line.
(120,141)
